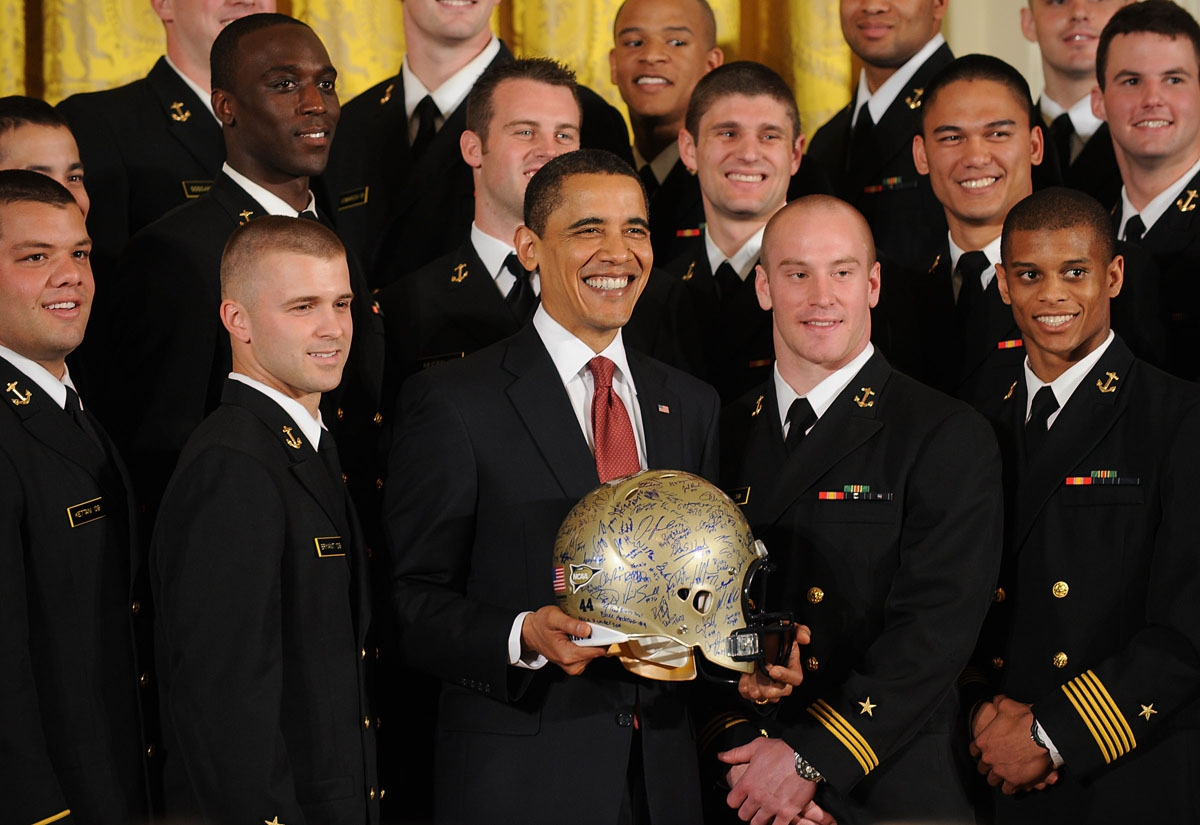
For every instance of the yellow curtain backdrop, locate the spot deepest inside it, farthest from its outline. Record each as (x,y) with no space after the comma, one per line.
(96,44)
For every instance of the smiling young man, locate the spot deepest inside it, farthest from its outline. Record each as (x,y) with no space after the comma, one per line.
(1148,70)
(72,747)
(742,141)
(863,152)
(661,49)
(880,501)
(1078,147)
(36,137)
(258,565)
(275,93)
(491,452)
(1091,644)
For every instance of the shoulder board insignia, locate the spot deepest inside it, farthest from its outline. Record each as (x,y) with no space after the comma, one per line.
(20,399)
(460,273)
(195,188)
(387,94)
(1107,384)
(1188,202)
(353,198)
(913,101)
(86,512)
(329,547)
(179,113)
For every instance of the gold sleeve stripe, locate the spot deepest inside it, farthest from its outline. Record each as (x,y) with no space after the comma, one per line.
(724,722)
(845,733)
(55,818)
(1100,713)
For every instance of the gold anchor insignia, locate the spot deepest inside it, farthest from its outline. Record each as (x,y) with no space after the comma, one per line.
(1107,386)
(862,400)
(1148,711)
(691,269)
(757,407)
(1188,205)
(867,707)
(292,441)
(387,95)
(460,274)
(913,101)
(245,215)
(936,261)
(274,821)
(1009,394)
(20,400)
(178,113)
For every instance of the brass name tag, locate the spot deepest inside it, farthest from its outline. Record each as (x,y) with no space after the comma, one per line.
(85,512)
(195,188)
(353,198)
(740,496)
(329,547)
(428,361)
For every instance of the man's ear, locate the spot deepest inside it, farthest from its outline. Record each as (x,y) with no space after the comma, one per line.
(223,107)
(471,147)
(235,320)
(526,244)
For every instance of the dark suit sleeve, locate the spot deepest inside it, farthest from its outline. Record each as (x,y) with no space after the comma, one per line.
(430,519)
(949,556)
(1100,716)
(28,785)
(218,558)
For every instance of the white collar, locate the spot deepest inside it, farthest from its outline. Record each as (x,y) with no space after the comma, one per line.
(992,251)
(1083,120)
(41,376)
(662,165)
(204,94)
(269,201)
(822,396)
(311,427)
(492,253)
(1065,385)
(891,88)
(1159,205)
(742,261)
(450,95)
(570,355)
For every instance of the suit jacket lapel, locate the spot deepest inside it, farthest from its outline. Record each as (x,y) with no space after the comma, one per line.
(662,414)
(1087,417)
(49,423)
(540,399)
(235,201)
(849,422)
(188,118)
(475,285)
(1179,225)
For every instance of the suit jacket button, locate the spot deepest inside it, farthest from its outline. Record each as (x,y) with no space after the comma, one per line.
(1060,590)
(1060,660)
(999,595)
(625,719)
(998,663)
(135,608)
(340,413)
(379,484)
(815,595)
(378,419)
(812,663)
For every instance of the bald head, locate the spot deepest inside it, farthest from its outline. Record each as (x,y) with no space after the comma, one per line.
(253,242)
(797,222)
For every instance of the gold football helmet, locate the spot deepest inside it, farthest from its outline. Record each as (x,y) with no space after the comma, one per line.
(661,564)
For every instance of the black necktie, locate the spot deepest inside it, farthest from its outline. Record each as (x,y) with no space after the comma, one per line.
(309,215)
(520,296)
(800,417)
(327,452)
(1061,131)
(648,179)
(860,139)
(75,409)
(427,113)
(1044,405)
(1135,228)
(970,267)
(728,281)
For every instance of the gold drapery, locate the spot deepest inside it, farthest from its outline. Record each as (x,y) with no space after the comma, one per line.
(82,45)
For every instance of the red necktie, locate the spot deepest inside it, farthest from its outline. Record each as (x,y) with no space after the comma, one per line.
(616,448)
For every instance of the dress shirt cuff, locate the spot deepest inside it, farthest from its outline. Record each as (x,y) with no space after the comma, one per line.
(1045,739)
(530,662)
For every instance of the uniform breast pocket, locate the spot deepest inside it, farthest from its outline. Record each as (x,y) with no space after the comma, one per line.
(883,511)
(1103,496)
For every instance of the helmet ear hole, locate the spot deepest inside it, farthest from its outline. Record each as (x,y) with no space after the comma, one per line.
(703,601)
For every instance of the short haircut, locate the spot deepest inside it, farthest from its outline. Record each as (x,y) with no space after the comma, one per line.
(709,34)
(255,239)
(979,67)
(223,59)
(742,77)
(822,203)
(1152,17)
(537,69)
(544,193)
(18,110)
(24,186)
(1055,208)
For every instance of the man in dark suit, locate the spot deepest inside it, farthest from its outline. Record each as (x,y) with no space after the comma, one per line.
(277,136)
(76,672)
(1146,52)
(1079,151)
(153,144)
(259,564)
(864,152)
(1091,645)
(742,142)
(402,193)
(661,49)
(491,453)
(880,501)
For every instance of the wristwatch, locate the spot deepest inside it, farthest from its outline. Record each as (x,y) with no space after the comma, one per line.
(1037,739)
(805,770)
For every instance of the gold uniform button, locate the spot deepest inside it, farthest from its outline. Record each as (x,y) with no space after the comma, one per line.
(366,721)
(382,794)
(815,595)
(135,608)
(371,794)
(1060,660)
(343,478)
(340,414)
(998,663)
(378,419)
(812,663)
(144,679)
(150,752)
(999,595)
(363,653)
(378,722)
(1060,590)
(379,484)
